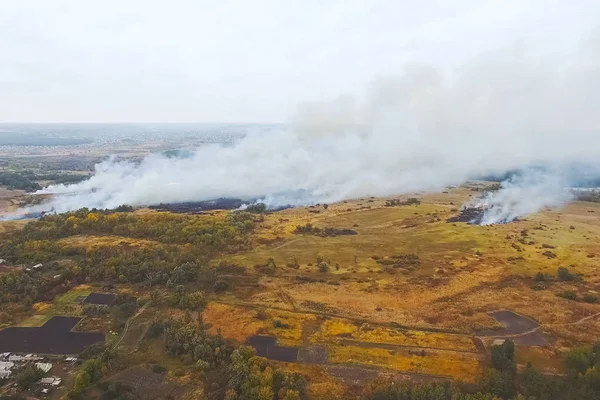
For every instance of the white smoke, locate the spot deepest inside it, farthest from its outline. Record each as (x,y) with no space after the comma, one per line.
(421,130)
(522,195)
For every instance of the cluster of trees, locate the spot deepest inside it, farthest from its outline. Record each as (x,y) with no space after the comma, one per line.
(237,374)
(504,382)
(28,181)
(99,361)
(397,202)
(219,233)
(323,232)
(154,264)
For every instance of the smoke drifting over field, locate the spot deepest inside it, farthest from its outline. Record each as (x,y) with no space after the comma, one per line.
(421,130)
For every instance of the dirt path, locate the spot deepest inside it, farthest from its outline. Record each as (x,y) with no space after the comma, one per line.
(387,346)
(128,324)
(393,325)
(286,243)
(515,335)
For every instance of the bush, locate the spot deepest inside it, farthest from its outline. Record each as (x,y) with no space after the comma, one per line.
(158,369)
(278,324)
(28,376)
(261,315)
(565,275)
(221,285)
(568,294)
(323,267)
(540,277)
(590,298)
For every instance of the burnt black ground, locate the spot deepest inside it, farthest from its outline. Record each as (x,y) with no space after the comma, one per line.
(266,346)
(54,337)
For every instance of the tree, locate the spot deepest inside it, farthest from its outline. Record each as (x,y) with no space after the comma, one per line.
(28,376)
(83,381)
(533,382)
(579,360)
(564,274)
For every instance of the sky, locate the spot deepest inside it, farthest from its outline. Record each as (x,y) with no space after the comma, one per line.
(241,61)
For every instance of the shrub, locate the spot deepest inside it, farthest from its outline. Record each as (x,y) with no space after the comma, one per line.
(158,369)
(564,274)
(540,277)
(568,294)
(590,298)
(221,285)
(261,315)
(278,324)
(323,267)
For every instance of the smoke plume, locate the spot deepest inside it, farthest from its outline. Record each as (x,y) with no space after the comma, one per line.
(423,129)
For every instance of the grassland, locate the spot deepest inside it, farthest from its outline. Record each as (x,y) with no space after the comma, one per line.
(464,272)
(62,305)
(462,367)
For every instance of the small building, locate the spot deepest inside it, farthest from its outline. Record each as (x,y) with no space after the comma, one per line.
(2,260)
(37,266)
(45,367)
(50,381)
(6,365)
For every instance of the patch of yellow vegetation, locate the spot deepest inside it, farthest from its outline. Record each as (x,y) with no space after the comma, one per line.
(334,328)
(321,385)
(239,323)
(62,305)
(235,323)
(456,366)
(90,242)
(40,307)
(542,358)
(289,329)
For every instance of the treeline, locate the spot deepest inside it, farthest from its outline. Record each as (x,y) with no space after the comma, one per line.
(196,239)
(323,232)
(28,181)
(231,374)
(229,233)
(504,382)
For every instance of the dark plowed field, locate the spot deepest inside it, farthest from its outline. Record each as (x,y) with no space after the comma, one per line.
(54,337)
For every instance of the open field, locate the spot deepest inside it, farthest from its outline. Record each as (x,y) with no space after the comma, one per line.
(464,271)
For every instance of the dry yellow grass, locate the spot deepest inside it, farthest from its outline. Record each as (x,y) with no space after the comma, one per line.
(465,271)
(335,328)
(92,241)
(455,366)
(239,323)
(321,386)
(235,323)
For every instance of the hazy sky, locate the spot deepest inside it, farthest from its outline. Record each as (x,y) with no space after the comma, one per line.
(246,60)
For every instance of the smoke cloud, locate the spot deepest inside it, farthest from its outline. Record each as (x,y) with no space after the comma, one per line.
(424,129)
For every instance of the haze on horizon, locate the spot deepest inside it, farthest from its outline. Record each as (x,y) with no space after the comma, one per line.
(241,62)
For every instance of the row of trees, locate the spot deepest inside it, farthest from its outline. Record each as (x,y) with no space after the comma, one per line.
(504,382)
(220,233)
(238,374)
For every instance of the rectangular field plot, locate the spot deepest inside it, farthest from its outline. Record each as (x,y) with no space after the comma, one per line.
(54,337)
(458,366)
(334,330)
